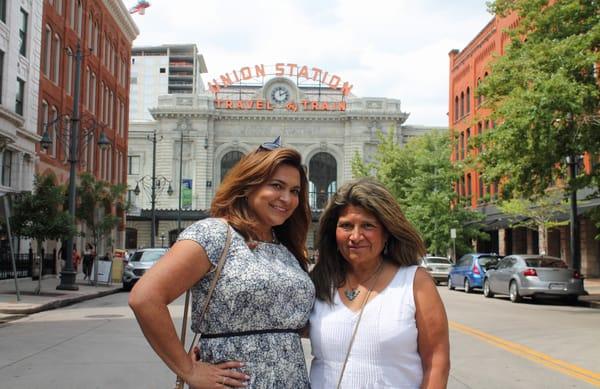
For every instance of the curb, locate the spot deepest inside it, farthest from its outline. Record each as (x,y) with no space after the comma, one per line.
(57,303)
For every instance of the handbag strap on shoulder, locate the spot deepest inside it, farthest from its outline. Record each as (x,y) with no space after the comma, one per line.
(211,289)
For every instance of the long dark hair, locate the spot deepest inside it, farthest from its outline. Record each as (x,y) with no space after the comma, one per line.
(404,244)
(253,170)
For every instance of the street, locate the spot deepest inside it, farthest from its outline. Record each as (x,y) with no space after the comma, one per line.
(494,344)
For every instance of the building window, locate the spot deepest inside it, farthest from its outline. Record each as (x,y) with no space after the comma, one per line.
(456,108)
(47,59)
(79,18)
(468,100)
(20,97)
(69,80)
(7,156)
(43,116)
(92,104)
(3,11)
(478,94)
(468,185)
(1,72)
(481,187)
(133,165)
(467,140)
(228,161)
(52,130)
(462,145)
(23,33)
(322,181)
(57,52)
(462,104)
(58,6)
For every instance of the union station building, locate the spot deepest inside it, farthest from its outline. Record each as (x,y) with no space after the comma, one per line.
(199,136)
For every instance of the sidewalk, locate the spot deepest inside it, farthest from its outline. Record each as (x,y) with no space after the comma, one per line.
(49,298)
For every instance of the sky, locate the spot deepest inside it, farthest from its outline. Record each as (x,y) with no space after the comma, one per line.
(384,48)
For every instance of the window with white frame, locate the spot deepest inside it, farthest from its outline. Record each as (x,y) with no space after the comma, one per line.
(57,57)
(93,93)
(23,33)
(47,59)
(3,11)
(79,18)
(7,162)
(20,96)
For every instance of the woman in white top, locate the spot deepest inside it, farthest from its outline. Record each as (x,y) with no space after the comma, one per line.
(367,273)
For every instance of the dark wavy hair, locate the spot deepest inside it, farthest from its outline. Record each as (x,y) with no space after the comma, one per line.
(253,170)
(404,244)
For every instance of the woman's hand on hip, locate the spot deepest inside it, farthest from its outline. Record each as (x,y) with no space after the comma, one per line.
(221,375)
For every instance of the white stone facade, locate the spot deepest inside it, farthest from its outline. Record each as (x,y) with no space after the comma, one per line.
(20,72)
(211,134)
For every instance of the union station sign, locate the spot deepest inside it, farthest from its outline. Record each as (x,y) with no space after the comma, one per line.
(289,86)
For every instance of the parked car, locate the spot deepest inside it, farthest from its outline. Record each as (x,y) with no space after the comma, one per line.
(139,263)
(437,267)
(533,275)
(469,270)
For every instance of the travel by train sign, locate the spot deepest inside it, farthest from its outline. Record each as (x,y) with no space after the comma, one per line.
(236,90)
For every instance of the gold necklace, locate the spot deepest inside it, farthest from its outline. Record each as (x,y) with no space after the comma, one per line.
(351,293)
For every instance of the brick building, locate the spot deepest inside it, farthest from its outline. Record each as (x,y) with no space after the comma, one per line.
(467,119)
(105,31)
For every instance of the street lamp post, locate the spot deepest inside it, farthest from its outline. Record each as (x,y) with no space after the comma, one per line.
(157,184)
(573,163)
(67,274)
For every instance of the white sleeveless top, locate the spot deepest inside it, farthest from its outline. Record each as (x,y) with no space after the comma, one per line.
(384,354)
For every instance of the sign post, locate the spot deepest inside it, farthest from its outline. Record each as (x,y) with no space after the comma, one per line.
(453,237)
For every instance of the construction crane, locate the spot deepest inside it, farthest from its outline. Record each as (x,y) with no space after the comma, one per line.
(140,7)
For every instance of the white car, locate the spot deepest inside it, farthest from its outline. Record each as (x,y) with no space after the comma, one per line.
(138,263)
(437,267)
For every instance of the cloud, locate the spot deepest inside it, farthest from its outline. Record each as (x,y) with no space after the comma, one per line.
(397,49)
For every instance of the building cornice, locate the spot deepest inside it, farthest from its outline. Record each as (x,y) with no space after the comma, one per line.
(123,19)
(12,117)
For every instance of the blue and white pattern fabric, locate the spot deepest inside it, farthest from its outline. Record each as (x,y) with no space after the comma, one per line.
(259,289)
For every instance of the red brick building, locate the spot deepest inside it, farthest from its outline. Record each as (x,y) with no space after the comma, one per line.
(467,120)
(105,31)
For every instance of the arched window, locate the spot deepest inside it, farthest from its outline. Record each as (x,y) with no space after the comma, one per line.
(57,56)
(322,179)
(455,108)
(478,94)
(228,161)
(468,193)
(467,140)
(468,98)
(47,58)
(462,104)
(462,145)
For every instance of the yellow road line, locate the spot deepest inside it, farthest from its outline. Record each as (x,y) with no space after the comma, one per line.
(535,356)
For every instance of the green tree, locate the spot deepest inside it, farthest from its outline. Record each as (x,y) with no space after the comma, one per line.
(421,176)
(95,201)
(539,213)
(544,94)
(39,215)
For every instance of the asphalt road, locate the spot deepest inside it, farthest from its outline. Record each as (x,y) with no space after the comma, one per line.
(494,344)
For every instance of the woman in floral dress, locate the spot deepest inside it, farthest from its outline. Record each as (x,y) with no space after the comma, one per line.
(250,333)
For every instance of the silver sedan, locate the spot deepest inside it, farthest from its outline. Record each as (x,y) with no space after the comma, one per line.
(533,275)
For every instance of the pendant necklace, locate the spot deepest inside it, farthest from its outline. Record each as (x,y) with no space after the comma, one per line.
(252,243)
(352,293)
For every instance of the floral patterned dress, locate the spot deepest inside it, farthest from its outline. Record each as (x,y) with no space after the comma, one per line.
(259,290)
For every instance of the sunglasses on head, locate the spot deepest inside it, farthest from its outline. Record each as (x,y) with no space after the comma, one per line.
(269,146)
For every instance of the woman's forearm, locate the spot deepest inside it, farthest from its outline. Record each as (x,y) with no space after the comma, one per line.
(156,324)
